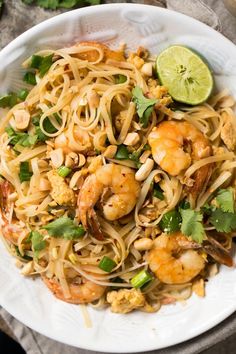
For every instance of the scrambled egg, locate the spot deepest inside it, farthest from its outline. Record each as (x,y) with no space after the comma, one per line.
(60,191)
(124,301)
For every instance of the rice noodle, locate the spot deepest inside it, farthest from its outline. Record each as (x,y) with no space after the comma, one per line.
(83,115)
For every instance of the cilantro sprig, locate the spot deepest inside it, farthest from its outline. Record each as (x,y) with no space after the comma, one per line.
(144,105)
(223,221)
(22,139)
(192,224)
(222,215)
(225,199)
(58,4)
(64,227)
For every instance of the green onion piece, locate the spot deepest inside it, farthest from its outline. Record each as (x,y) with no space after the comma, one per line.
(107,264)
(158,192)
(45,65)
(171,222)
(25,173)
(29,77)
(122,153)
(41,63)
(22,94)
(64,171)
(36,61)
(140,279)
(8,100)
(120,79)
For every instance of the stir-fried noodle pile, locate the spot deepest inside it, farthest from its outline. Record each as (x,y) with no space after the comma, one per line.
(110,191)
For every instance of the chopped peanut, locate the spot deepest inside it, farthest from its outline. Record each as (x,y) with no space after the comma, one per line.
(131,139)
(22,119)
(57,157)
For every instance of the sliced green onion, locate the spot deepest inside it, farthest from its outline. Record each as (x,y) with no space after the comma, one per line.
(107,264)
(25,173)
(64,171)
(41,63)
(22,94)
(29,77)
(122,153)
(36,61)
(158,192)
(140,279)
(45,65)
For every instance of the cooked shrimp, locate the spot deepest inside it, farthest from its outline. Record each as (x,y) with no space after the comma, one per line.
(92,55)
(171,263)
(9,229)
(122,188)
(167,142)
(83,293)
(76,141)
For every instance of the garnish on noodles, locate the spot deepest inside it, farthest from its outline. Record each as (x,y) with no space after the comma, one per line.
(112,192)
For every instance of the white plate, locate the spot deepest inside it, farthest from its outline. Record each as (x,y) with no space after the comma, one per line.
(30,301)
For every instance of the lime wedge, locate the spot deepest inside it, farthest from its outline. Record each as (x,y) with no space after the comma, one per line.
(185,74)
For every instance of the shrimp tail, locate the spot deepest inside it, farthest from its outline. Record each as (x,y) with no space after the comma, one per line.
(201,179)
(218,252)
(94,226)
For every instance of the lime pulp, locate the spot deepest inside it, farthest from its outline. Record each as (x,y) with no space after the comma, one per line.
(185,74)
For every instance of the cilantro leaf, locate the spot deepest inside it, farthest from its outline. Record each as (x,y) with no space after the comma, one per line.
(22,139)
(144,105)
(38,243)
(225,200)
(64,227)
(122,153)
(170,222)
(223,221)
(192,224)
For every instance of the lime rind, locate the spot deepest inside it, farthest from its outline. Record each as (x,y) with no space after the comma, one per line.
(185,74)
